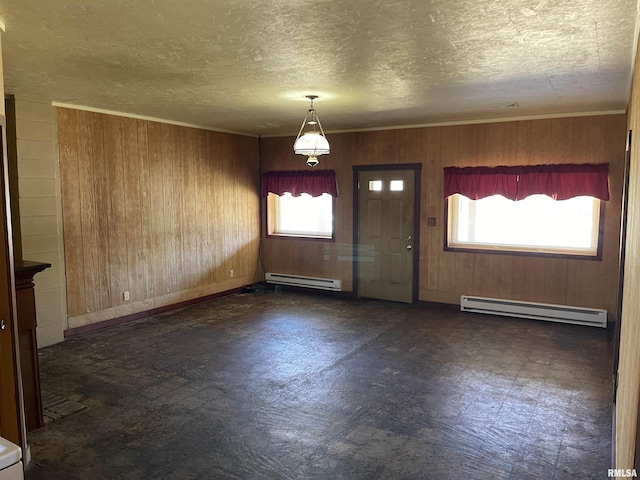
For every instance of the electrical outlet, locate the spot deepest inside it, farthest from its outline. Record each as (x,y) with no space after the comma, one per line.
(125,296)
(232,273)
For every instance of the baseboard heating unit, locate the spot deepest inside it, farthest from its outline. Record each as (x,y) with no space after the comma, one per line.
(300,281)
(539,311)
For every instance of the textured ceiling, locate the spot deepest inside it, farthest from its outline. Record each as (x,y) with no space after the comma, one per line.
(246,65)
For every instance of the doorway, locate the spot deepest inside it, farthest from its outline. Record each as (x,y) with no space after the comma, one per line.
(386,231)
(12,426)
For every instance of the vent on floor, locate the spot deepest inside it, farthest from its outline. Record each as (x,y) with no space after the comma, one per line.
(301,281)
(538,311)
(57,408)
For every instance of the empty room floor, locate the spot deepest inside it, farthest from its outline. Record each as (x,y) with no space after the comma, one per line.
(305,386)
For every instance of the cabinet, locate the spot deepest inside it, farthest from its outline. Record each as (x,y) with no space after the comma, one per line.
(27,323)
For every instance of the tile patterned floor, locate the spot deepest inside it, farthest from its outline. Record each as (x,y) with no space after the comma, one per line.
(303,386)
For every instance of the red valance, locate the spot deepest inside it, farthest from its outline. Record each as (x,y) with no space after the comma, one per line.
(560,182)
(296,182)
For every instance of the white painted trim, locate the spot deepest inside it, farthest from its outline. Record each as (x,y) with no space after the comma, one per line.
(465,122)
(634,52)
(145,117)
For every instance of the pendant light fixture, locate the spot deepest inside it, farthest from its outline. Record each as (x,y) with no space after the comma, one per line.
(312,142)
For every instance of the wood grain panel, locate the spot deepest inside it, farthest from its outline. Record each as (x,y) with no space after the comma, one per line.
(228,192)
(158,213)
(203,211)
(146,257)
(190,221)
(89,230)
(172,205)
(628,391)
(251,220)
(116,218)
(216,195)
(501,270)
(447,275)
(133,206)
(519,277)
(153,209)
(438,273)
(72,218)
(99,178)
(556,281)
(534,282)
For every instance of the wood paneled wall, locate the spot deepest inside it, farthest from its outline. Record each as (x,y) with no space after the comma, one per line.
(628,392)
(444,276)
(161,211)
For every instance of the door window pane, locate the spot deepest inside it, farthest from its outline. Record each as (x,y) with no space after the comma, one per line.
(397,185)
(375,185)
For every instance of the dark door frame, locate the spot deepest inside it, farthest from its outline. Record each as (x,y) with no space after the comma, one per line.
(12,421)
(621,260)
(417,170)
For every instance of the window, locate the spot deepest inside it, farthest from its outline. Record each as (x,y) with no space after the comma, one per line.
(396,185)
(300,203)
(536,224)
(375,185)
(546,209)
(302,216)
(379,185)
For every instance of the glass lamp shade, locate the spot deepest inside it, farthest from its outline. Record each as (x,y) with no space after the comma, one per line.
(311,144)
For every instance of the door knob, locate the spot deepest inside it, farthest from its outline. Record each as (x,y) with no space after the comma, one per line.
(3,325)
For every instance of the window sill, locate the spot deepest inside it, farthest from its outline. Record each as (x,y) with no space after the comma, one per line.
(499,250)
(292,236)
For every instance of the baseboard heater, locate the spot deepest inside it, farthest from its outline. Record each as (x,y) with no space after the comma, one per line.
(538,311)
(301,281)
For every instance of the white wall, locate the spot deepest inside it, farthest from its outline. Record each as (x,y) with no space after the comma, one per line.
(41,213)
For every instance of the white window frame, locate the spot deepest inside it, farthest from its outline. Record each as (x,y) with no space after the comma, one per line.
(455,243)
(274,220)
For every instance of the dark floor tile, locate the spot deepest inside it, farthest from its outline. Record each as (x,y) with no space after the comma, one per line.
(295,386)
